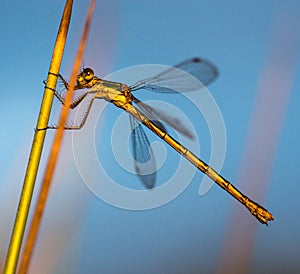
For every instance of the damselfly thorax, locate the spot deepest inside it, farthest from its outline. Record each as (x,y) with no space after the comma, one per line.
(117,93)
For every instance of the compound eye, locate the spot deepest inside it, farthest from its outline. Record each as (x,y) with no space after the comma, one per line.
(88,74)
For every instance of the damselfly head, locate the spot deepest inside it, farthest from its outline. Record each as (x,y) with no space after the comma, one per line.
(85,76)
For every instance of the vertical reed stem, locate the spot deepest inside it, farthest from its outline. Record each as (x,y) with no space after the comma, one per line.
(37,145)
(55,149)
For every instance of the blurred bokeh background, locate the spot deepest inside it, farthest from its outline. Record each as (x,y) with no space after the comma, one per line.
(255,45)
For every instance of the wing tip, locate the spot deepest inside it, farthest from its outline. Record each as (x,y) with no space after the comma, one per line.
(197,59)
(212,65)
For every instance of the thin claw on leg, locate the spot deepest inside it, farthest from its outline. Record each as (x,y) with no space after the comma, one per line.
(66,84)
(40,129)
(48,127)
(55,74)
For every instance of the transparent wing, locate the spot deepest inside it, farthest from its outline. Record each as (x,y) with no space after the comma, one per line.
(180,78)
(155,115)
(142,153)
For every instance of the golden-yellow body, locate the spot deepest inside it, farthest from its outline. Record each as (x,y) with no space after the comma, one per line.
(120,95)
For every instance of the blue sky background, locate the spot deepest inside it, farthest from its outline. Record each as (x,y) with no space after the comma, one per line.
(188,234)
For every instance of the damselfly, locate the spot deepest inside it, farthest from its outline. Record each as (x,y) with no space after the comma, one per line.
(167,81)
